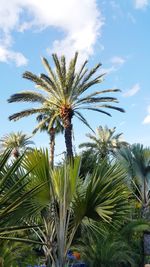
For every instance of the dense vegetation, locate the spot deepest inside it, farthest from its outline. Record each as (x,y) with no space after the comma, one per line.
(94,204)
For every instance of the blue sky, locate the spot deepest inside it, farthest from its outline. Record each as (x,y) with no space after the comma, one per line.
(113,32)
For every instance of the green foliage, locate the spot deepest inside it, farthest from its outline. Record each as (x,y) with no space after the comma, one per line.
(17,142)
(64,95)
(64,201)
(105,251)
(104,143)
(13,254)
(136,160)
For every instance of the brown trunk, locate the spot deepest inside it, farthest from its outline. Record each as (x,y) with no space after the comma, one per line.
(67,114)
(68,141)
(16,153)
(52,146)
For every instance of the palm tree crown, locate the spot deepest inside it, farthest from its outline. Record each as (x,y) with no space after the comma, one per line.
(104,142)
(64,95)
(43,125)
(18,142)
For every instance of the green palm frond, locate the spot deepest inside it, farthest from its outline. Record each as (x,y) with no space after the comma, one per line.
(104,142)
(66,198)
(27,96)
(16,141)
(96,109)
(63,94)
(81,117)
(26,112)
(136,160)
(37,80)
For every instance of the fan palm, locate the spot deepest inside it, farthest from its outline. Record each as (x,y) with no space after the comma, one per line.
(18,142)
(64,95)
(104,142)
(14,214)
(14,182)
(136,160)
(65,201)
(55,128)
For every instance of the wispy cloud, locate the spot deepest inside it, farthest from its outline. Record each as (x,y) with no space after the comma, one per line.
(147,118)
(7,55)
(141,4)
(79,21)
(132,91)
(116,62)
(131,18)
(117,11)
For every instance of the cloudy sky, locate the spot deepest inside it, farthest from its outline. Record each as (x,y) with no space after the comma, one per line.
(113,32)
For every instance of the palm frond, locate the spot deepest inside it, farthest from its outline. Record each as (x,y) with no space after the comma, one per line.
(96,109)
(27,96)
(81,117)
(25,113)
(37,80)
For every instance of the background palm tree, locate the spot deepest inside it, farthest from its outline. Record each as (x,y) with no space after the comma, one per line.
(65,96)
(136,160)
(52,129)
(18,142)
(104,142)
(119,246)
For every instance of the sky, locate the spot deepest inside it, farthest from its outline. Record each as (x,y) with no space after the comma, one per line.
(113,32)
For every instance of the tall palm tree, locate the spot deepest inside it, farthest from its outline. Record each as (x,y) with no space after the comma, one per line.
(104,142)
(18,142)
(52,130)
(64,95)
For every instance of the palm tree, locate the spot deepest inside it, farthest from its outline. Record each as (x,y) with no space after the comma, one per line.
(136,160)
(18,142)
(120,246)
(106,250)
(104,142)
(70,201)
(53,130)
(65,95)
(13,194)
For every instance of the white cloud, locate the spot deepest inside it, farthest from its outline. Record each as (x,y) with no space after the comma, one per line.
(132,91)
(79,21)
(118,61)
(7,55)
(122,123)
(141,4)
(108,70)
(147,118)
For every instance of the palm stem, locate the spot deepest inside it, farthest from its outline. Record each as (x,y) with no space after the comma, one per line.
(52,146)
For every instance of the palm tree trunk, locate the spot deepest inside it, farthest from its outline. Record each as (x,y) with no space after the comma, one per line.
(68,140)
(52,146)
(15,153)
(66,116)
